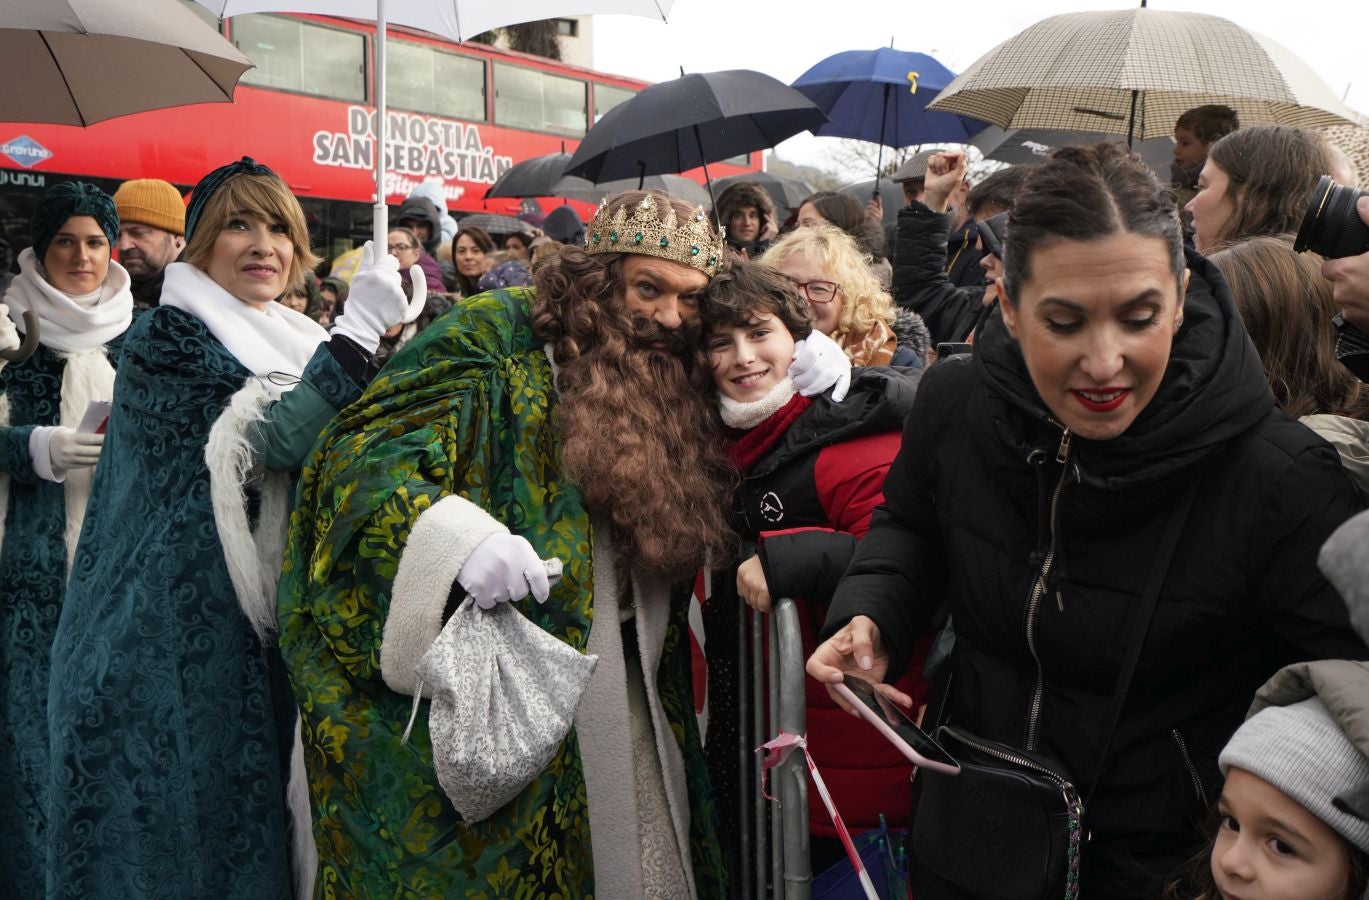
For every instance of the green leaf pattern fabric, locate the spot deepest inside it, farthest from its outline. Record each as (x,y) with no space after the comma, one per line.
(465,408)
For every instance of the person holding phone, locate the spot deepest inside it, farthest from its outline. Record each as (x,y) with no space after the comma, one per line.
(1033,485)
(83,304)
(811,471)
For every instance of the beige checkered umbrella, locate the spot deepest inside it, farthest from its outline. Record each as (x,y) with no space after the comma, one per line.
(1353,140)
(1134,72)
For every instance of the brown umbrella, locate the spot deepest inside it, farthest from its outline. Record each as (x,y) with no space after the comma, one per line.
(1134,72)
(74,62)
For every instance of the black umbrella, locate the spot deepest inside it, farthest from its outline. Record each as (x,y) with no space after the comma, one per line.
(531,178)
(692,121)
(687,190)
(863,190)
(787,193)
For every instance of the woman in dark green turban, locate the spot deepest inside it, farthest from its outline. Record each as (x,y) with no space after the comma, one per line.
(82,303)
(169,719)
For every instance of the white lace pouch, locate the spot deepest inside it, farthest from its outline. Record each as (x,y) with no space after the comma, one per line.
(504,694)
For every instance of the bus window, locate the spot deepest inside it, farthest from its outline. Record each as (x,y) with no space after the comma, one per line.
(292,55)
(606,96)
(423,79)
(528,98)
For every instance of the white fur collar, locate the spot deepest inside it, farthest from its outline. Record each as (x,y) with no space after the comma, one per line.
(65,324)
(274,339)
(747,414)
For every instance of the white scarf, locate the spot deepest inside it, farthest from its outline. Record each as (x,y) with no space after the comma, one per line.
(747,414)
(66,323)
(272,339)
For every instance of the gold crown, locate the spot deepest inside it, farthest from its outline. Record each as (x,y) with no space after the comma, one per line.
(694,243)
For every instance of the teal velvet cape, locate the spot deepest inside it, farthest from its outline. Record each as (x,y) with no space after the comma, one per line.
(170,722)
(33,574)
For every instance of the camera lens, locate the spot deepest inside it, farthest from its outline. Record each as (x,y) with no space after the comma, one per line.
(1331,226)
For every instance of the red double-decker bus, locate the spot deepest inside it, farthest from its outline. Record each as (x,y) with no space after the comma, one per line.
(459,116)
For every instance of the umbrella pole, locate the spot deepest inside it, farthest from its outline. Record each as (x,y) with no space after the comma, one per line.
(698,139)
(883,120)
(1131,120)
(380,213)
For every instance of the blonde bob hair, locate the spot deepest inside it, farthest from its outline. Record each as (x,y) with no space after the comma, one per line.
(834,253)
(264,197)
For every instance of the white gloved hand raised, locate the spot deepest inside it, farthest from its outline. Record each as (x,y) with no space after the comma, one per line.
(70,449)
(819,363)
(504,567)
(375,299)
(9,335)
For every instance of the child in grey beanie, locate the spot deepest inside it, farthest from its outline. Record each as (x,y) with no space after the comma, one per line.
(1285,830)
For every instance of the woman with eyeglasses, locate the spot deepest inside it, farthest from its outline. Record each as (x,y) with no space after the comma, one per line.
(847,302)
(404,246)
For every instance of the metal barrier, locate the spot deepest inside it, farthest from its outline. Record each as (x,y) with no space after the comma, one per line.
(777,835)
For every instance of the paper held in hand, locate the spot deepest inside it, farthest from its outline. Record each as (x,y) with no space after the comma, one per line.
(96,417)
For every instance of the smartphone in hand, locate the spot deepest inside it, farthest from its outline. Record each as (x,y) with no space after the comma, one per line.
(896,726)
(96,417)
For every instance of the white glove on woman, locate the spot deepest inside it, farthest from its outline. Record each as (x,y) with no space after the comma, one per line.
(504,567)
(818,364)
(9,335)
(70,449)
(375,299)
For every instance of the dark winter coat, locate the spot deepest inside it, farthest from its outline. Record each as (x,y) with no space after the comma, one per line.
(963,256)
(969,517)
(920,281)
(805,505)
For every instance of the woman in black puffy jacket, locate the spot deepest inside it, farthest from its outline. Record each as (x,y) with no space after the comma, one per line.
(1030,493)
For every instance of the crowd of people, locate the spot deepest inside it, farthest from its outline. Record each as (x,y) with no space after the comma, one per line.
(377,577)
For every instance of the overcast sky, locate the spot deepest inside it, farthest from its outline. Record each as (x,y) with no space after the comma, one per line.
(785,39)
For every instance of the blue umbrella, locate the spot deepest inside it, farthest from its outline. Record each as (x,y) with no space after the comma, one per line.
(881,96)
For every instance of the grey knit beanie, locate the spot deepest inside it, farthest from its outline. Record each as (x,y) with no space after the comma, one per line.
(1300,750)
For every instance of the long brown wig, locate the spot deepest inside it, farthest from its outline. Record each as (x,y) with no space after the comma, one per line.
(640,439)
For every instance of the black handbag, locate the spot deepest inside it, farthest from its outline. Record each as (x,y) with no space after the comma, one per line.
(1010,825)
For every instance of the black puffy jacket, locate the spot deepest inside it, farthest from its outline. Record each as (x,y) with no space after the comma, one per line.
(920,280)
(969,517)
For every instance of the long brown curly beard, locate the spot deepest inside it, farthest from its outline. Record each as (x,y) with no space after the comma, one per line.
(639,439)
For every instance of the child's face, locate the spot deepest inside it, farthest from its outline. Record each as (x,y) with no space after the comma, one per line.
(750,360)
(1268,847)
(1189,152)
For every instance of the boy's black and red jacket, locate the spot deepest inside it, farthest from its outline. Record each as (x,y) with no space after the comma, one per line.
(814,474)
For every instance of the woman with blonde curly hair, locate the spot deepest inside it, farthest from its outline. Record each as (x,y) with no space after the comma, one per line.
(847,301)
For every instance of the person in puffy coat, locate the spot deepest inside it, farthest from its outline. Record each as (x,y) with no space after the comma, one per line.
(811,472)
(1030,493)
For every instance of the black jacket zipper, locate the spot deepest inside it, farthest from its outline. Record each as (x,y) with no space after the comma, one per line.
(1038,589)
(1192,769)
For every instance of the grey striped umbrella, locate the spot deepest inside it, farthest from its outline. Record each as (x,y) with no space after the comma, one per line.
(1135,72)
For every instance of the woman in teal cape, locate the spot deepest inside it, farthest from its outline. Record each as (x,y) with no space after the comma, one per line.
(170,721)
(82,305)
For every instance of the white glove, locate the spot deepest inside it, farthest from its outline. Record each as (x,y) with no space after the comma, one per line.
(375,300)
(70,449)
(9,335)
(818,364)
(504,567)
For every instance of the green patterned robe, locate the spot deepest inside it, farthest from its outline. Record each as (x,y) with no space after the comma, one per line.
(465,408)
